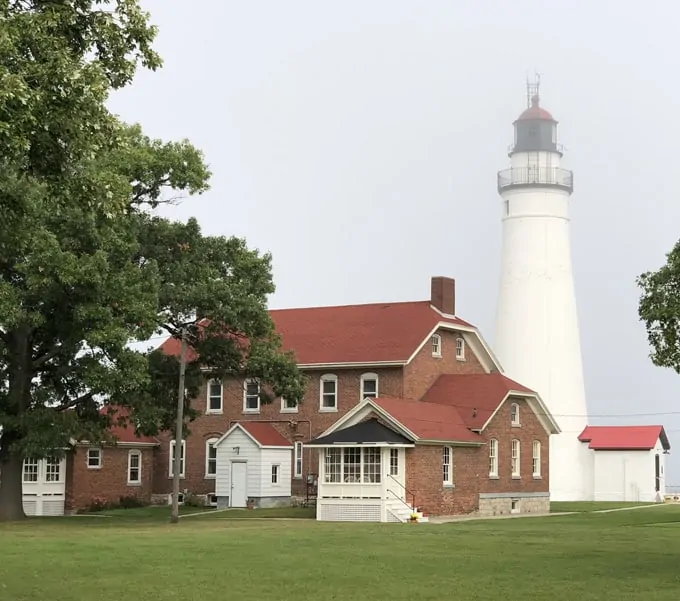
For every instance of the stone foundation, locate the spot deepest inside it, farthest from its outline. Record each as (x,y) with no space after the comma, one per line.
(491,504)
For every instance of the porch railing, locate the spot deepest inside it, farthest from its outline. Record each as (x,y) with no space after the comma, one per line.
(407,492)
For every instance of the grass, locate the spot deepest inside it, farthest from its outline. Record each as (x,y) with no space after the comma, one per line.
(589,506)
(626,555)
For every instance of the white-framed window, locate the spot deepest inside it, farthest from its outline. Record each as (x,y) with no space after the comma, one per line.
(328,392)
(288,406)
(436,345)
(53,470)
(536,459)
(460,348)
(210,458)
(493,458)
(215,396)
(514,414)
(447,465)
(134,467)
(394,462)
(298,457)
(515,458)
(275,474)
(251,396)
(31,470)
(369,386)
(94,458)
(352,465)
(182,459)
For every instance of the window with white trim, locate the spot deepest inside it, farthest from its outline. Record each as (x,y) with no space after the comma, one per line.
(460,348)
(493,458)
(536,459)
(371,465)
(332,465)
(514,414)
(134,467)
(94,458)
(171,462)
(53,470)
(288,406)
(447,465)
(298,455)
(275,474)
(215,396)
(328,391)
(352,465)
(394,462)
(369,386)
(436,342)
(30,470)
(251,396)
(210,458)
(515,458)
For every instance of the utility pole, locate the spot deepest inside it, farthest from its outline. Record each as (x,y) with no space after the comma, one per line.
(179,432)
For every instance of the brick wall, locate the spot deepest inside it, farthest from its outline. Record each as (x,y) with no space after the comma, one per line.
(306,423)
(501,429)
(421,373)
(110,481)
(424,477)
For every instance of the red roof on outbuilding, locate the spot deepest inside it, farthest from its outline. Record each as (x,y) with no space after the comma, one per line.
(266,434)
(368,333)
(475,396)
(429,421)
(624,438)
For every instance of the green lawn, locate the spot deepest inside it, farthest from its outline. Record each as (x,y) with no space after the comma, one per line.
(626,555)
(588,506)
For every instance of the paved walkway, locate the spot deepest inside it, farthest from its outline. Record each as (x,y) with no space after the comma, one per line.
(466,518)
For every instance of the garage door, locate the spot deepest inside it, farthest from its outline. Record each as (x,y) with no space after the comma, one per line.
(44,489)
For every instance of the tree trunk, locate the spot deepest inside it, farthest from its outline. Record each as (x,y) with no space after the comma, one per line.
(11,484)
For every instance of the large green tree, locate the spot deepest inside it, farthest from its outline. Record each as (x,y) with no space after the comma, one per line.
(659,309)
(85,266)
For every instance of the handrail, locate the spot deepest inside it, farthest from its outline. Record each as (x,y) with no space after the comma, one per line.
(402,501)
(536,176)
(406,490)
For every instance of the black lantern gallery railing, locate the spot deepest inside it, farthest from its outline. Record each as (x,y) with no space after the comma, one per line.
(517,177)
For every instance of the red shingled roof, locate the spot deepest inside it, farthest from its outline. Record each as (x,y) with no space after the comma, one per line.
(368,333)
(266,434)
(126,433)
(624,438)
(429,421)
(475,396)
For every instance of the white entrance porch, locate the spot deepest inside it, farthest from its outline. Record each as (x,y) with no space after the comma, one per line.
(362,475)
(44,486)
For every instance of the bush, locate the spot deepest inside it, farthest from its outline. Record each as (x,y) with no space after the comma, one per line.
(131,502)
(191,500)
(98,504)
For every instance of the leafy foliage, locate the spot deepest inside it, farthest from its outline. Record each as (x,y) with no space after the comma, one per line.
(659,309)
(85,267)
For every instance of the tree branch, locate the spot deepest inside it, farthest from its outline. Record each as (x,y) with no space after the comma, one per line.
(66,405)
(45,357)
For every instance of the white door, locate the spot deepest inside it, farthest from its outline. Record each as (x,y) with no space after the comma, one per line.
(44,486)
(238,495)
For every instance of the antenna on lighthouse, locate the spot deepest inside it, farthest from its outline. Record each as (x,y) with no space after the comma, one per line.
(533,87)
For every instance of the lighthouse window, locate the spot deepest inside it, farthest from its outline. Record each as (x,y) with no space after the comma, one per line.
(507,207)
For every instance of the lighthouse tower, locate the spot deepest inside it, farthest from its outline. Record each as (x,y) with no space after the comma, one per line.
(537,334)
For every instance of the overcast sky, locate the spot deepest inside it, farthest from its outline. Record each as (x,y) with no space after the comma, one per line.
(359,141)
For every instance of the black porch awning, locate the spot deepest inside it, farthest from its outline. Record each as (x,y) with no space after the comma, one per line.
(369,432)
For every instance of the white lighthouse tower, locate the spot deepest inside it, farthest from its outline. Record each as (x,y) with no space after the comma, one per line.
(537,334)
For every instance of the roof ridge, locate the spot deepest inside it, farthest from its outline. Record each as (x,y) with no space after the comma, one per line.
(350,306)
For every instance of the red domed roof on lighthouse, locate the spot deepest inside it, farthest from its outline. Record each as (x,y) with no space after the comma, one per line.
(535,112)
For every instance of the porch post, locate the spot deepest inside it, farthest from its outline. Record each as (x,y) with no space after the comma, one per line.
(384,470)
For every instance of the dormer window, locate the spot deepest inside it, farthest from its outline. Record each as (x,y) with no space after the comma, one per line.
(436,345)
(460,348)
(514,414)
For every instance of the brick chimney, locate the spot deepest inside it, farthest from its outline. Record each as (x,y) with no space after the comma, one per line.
(443,294)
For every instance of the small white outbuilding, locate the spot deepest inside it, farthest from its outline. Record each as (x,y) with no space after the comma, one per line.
(254,462)
(629,462)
